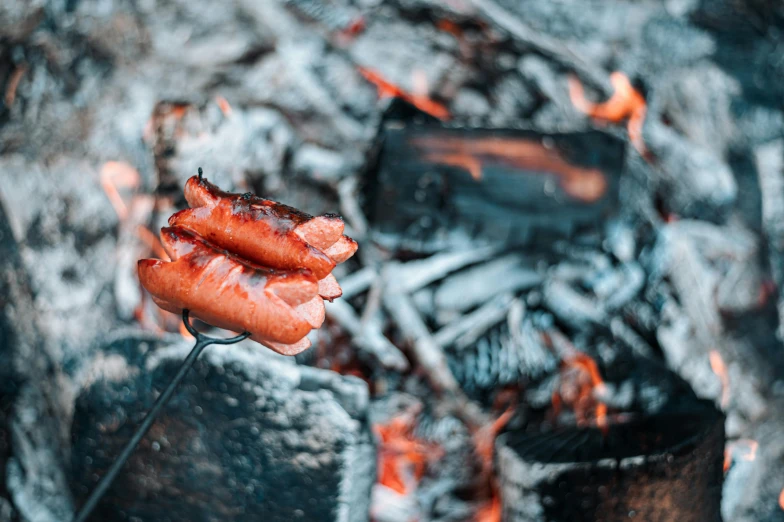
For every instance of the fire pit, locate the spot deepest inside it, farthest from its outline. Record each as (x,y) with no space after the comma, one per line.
(567,302)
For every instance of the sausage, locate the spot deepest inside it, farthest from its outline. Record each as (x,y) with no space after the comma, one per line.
(275,307)
(264,231)
(328,288)
(342,249)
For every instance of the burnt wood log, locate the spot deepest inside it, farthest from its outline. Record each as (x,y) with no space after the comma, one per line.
(656,468)
(435,186)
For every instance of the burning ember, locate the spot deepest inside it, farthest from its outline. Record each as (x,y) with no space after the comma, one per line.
(421,100)
(579,387)
(402,458)
(749,453)
(625,103)
(720,369)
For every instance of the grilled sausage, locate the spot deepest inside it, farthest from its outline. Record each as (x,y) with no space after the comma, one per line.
(264,231)
(276,307)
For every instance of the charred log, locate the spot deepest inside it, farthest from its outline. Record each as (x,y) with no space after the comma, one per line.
(656,468)
(436,184)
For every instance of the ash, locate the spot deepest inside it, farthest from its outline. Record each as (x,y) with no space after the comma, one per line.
(675,291)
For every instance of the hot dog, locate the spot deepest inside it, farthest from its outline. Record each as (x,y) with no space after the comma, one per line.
(277,308)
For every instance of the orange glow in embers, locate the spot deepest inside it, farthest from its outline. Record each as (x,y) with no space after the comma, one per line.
(585,184)
(750,447)
(720,369)
(116,175)
(421,101)
(224,106)
(401,457)
(484,442)
(580,381)
(781,499)
(625,103)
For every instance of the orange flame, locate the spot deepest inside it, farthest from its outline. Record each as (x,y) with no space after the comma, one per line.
(580,381)
(720,369)
(749,455)
(115,175)
(401,457)
(626,102)
(387,89)
(470,154)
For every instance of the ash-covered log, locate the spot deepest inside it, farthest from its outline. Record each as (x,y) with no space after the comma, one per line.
(657,468)
(248,436)
(434,185)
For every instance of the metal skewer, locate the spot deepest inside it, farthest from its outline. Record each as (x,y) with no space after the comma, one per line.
(202,341)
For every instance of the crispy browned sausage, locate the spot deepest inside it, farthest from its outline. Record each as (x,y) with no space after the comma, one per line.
(253,228)
(222,290)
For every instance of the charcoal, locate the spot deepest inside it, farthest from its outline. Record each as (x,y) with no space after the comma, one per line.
(697,101)
(694,180)
(660,467)
(479,284)
(247,435)
(32,484)
(770,168)
(66,224)
(748,479)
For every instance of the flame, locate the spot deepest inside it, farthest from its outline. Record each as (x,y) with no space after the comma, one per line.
(115,175)
(625,103)
(580,382)
(587,185)
(749,455)
(224,106)
(387,89)
(401,457)
(720,369)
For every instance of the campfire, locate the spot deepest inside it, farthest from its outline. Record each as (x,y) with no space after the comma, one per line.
(567,301)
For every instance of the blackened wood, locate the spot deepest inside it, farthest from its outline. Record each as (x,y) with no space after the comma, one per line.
(658,468)
(435,185)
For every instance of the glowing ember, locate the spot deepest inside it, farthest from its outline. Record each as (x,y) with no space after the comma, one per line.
(484,441)
(580,382)
(750,451)
(720,369)
(781,499)
(471,154)
(387,89)
(625,103)
(13,84)
(116,175)
(491,511)
(401,457)
(224,106)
